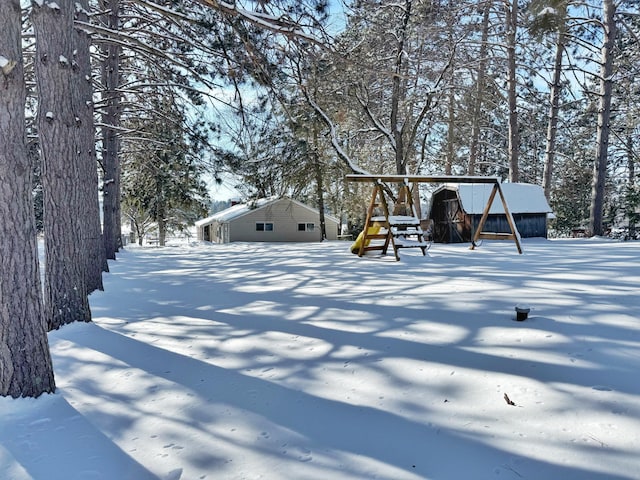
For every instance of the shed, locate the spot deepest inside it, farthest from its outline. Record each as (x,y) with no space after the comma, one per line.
(267,220)
(456,210)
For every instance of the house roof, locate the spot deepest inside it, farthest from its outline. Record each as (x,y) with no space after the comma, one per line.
(241,209)
(520,197)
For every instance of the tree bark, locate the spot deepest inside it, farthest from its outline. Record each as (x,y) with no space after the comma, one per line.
(110,142)
(398,94)
(25,362)
(604,116)
(96,260)
(514,137)
(65,286)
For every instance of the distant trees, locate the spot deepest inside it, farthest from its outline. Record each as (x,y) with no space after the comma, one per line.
(386,91)
(491,87)
(625,135)
(508,89)
(162,173)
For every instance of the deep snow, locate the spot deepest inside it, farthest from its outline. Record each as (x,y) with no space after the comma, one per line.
(303,361)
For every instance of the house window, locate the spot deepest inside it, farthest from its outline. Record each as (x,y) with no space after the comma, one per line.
(306,227)
(264,227)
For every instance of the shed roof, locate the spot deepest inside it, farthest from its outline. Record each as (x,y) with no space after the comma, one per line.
(241,209)
(520,197)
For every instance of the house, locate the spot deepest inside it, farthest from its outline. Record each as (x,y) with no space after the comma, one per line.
(456,210)
(267,220)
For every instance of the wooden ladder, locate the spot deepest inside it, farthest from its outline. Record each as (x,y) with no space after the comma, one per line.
(400,230)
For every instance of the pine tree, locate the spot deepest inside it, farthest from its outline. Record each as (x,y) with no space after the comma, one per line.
(111,112)
(61,147)
(162,177)
(604,116)
(25,362)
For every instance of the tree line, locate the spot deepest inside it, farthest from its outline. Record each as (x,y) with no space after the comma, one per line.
(539,91)
(131,102)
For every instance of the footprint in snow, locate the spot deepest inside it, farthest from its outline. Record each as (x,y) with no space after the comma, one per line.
(174,474)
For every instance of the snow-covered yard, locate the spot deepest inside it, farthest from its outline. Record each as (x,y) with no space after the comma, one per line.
(303,361)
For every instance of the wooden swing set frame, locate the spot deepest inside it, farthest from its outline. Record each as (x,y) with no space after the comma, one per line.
(390,228)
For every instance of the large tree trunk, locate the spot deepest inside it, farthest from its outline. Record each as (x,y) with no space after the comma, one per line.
(479,88)
(96,260)
(25,363)
(110,140)
(514,136)
(552,124)
(65,286)
(604,116)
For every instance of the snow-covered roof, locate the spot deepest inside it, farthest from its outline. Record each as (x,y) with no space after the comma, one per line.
(243,208)
(236,211)
(520,197)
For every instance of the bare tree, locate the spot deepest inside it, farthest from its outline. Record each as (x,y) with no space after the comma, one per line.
(25,362)
(383,82)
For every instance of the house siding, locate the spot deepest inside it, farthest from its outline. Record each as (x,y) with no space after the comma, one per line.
(285,215)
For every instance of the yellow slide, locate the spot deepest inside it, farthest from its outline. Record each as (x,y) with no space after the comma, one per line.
(355,248)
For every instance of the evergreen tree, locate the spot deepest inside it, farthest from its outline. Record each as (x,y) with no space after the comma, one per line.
(25,362)
(162,177)
(61,148)
(604,115)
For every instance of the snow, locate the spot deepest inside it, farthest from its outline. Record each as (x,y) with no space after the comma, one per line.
(236,211)
(7,65)
(291,361)
(547,11)
(240,209)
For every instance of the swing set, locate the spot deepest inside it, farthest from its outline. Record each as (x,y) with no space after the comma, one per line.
(396,224)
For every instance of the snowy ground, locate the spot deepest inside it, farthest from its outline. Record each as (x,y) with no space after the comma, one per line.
(303,361)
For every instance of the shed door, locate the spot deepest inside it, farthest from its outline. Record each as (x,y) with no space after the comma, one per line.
(451,222)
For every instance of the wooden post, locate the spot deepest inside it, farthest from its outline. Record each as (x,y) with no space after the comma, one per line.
(514,235)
